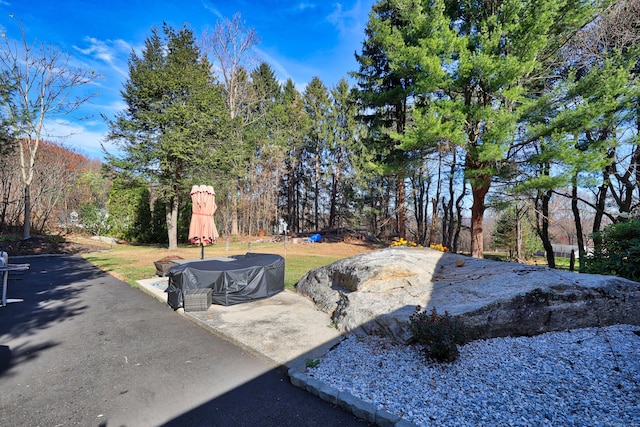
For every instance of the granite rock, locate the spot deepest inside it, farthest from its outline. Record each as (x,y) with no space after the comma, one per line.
(378,291)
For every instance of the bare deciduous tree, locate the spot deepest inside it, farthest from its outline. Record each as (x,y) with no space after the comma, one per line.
(230,46)
(58,169)
(613,37)
(40,85)
(616,29)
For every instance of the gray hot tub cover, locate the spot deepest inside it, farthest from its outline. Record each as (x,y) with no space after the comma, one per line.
(243,278)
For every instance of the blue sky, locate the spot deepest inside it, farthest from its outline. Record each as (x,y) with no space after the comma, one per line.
(299,39)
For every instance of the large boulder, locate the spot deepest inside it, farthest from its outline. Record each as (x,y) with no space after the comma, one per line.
(378,291)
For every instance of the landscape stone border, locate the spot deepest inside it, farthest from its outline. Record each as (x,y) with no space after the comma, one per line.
(348,402)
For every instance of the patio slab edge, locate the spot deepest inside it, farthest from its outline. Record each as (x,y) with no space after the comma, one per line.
(295,369)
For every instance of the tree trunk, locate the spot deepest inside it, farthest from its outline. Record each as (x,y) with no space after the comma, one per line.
(296,203)
(600,208)
(27,165)
(172,222)
(572,261)
(26,229)
(479,189)
(401,214)
(434,203)
(316,202)
(5,204)
(519,256)
(601,199)
(447,223)
(334,195)
(290,216)
(542,226)
(434,218)
(578,223)
(448,219)
(456,236)
(234,210)
(420,190)
(292,198)
(637,156)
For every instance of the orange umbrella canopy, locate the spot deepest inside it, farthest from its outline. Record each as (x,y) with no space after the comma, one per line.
(202,230)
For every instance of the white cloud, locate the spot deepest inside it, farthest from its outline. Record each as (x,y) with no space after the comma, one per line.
(299,72)
(305,6)
(350,21)
(213,10)
(110,52)
(109,58)
(97,48)
(280,69)
(78,136)
(113,107)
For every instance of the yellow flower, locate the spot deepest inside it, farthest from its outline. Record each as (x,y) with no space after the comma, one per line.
(439,247)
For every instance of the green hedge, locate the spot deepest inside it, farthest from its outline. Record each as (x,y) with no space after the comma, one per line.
(619,253)
(129,210)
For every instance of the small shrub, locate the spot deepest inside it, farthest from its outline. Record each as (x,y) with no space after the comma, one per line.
(94,220)
(619,252)
(7,238)
(311,363)
(439,335)
(56,238)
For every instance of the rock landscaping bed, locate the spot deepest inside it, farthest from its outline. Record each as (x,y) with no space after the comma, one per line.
(583,377)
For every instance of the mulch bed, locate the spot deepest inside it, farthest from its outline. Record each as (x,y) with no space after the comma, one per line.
(43,245)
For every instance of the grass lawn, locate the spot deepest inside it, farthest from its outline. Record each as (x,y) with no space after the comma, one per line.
(130,263)
(561,263)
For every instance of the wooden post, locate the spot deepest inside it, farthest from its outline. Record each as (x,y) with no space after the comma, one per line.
(572,260)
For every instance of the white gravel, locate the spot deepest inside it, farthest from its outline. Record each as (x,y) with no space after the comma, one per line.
(586,377)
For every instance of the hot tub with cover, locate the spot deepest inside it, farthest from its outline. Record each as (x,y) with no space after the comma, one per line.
(233,280)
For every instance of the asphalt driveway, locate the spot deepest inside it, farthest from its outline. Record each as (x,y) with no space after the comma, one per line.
(84,348)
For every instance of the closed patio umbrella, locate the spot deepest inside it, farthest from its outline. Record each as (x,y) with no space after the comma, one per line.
(202,229)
